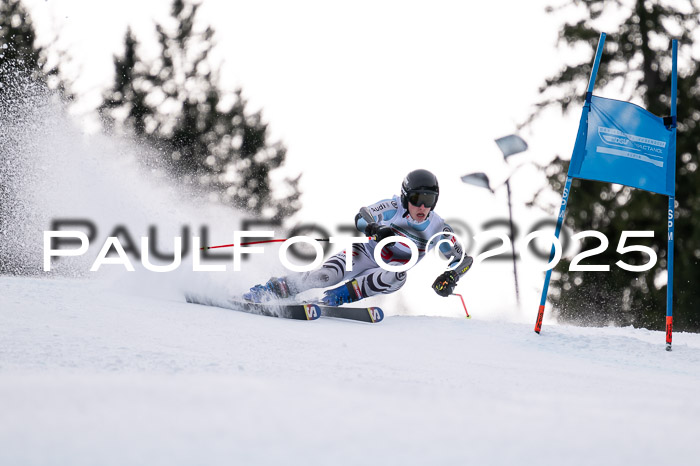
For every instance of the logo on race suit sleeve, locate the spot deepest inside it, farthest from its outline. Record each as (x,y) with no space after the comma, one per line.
(380,207)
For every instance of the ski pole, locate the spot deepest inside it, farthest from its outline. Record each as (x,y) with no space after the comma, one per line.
(364,212)
(257,242)
(249,243)
(464,305)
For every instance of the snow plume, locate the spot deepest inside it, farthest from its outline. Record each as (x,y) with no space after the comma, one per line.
(50,170)
(21,98)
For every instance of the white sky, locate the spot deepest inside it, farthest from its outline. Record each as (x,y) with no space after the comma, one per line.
(363,92)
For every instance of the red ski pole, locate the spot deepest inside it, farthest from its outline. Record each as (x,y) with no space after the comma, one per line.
(257,242)
(464,305)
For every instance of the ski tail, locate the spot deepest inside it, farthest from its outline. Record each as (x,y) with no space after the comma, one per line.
(285,311)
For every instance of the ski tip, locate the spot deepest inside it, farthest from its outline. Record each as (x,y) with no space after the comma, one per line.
(313,311)
(376,314)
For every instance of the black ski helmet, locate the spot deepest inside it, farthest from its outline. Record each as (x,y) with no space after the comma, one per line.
(420,187)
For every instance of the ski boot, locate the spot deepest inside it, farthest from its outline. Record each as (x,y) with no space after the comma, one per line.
(275,288)
(348,292)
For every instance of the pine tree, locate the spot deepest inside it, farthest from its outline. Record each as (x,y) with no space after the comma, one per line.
(635,66)
(175,104)
(127,92)
(17,39)
(19,52)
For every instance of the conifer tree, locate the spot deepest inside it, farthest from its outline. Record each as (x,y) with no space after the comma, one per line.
(20,53)
(176,104)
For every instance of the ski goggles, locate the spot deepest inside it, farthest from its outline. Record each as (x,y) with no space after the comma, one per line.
(426,199)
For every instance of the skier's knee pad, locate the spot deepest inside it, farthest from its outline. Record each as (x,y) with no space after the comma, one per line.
(319,278)
(399,280)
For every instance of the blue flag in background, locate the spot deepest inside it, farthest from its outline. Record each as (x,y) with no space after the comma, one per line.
(624,144)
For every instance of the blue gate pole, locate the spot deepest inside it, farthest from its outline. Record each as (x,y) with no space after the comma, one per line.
(548,276)
(669,273)
(671,202)
(580,142)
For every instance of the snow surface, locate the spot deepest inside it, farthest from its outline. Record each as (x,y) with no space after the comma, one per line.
(92,372)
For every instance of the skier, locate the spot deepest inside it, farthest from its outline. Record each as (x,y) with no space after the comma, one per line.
(412,216)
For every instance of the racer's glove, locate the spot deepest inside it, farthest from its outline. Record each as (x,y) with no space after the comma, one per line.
(445,283)
(377,231)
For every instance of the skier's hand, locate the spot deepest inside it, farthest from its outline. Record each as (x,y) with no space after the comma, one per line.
(445,283)
(379,232)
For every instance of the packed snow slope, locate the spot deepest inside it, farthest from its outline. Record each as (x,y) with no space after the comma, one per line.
(92,374)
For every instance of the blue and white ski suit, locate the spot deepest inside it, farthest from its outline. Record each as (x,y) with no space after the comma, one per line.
(371,278)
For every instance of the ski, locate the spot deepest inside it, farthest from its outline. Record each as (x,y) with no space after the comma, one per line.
(285,311)
(372,315)
(291,311)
